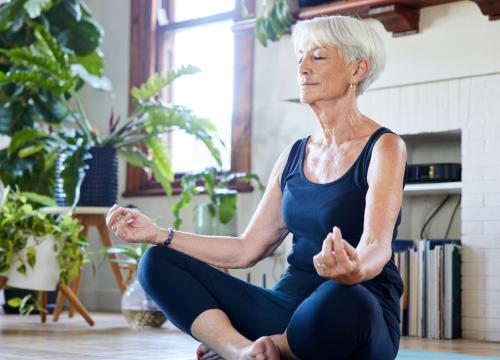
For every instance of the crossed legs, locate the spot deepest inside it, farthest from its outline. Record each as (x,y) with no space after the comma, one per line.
(230,316)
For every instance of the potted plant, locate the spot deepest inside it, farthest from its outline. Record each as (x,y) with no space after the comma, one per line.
(48,51)
(137,307)
(47,63)
(37,250)
(217,217)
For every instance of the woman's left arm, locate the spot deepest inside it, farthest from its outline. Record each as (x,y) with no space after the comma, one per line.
(383,203)
(338,259)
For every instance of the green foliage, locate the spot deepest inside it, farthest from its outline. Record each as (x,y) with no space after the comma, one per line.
(154,117)
(128,255)
(48,50)
(26,305)
(223,202)
(19,221)
(273,22)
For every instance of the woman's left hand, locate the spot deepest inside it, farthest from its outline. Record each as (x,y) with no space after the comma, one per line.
(338,260)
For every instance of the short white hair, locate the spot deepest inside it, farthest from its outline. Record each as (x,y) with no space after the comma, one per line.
(355,39)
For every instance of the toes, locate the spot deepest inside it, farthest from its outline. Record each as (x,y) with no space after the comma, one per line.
(264,349)
(202,350)
(210,355)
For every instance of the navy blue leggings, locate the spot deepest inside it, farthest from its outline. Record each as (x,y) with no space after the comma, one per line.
(323,319)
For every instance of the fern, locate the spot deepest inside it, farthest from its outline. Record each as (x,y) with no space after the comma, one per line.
(29,58)
(158,82)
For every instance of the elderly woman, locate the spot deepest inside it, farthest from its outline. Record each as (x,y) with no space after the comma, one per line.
(339,193)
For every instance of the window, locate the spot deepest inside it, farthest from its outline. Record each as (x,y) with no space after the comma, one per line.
(210,47)
(169,33)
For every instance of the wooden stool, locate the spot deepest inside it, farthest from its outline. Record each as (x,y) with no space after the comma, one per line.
(63,289)
(87,216)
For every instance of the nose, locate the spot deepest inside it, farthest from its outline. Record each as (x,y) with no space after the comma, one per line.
(304,67)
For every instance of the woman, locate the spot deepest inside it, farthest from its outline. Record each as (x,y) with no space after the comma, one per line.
(339,192)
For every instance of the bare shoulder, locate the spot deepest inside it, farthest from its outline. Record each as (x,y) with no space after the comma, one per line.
(388,159)
(390,145)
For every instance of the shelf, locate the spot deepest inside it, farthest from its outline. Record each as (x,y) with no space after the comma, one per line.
(433,188)
(401,17)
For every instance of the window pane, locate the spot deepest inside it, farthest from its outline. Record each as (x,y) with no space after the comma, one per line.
(192,9)
(208,93)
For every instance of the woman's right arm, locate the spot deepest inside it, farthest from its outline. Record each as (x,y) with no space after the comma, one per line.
(262,236)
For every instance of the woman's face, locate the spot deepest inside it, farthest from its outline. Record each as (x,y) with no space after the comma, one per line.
(322,73)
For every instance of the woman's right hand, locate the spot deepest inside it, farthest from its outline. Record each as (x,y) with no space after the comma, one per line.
(131,225)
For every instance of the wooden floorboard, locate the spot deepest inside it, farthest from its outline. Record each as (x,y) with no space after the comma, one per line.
(111,338)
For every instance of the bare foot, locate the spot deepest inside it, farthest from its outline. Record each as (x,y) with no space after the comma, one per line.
(205,353)
(262,349)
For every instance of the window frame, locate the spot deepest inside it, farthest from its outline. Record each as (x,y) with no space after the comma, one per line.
(147,51)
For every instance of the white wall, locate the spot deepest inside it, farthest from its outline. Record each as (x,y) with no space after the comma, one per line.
(447,77)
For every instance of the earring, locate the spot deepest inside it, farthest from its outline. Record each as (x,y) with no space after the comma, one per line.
(352,86)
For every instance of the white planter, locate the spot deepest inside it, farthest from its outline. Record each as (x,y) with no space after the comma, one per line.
(45,275)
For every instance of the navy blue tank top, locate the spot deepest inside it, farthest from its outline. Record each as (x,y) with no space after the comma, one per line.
(311,210)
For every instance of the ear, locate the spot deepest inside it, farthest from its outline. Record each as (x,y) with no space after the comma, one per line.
(360,70)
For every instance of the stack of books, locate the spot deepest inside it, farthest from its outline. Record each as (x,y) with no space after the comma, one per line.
(431,301)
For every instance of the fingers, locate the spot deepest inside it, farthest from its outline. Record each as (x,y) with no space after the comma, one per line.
(338,246)
(350,250)
(115,215)
(327,246)
(113,208)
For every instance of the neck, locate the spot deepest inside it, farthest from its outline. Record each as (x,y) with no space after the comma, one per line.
(340,120)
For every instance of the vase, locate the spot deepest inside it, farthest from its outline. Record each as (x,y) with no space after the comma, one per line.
(139,309)
(206,224)
(44,276)
(100,184)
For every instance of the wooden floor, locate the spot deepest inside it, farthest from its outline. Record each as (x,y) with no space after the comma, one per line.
(111,338)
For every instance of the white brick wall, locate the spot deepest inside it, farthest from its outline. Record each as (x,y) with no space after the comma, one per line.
(472,105)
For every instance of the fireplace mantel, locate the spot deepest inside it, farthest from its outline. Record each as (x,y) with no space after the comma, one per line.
(401,17)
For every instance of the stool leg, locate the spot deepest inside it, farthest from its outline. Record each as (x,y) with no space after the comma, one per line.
(76,282)
(3,281)
(76,303)
(76,289)
(43,306)
(103,232)
(59,306)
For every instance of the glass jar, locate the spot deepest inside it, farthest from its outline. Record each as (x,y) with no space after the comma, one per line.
(139,309)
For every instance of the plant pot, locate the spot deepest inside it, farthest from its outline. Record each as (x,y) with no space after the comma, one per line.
(44,276)
(305,3)
(139,309)
(100,185)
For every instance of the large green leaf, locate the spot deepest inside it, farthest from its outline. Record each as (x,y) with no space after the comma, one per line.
(74,169)
(24,138)
(14,117)
(35,7)
(160,158)
(35,80)
(12,15)
(97,82)
(30,58)
(158,82)
(134,157)
(93,62)
(64,14)
(227,207)
(40,199)
(83,37)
